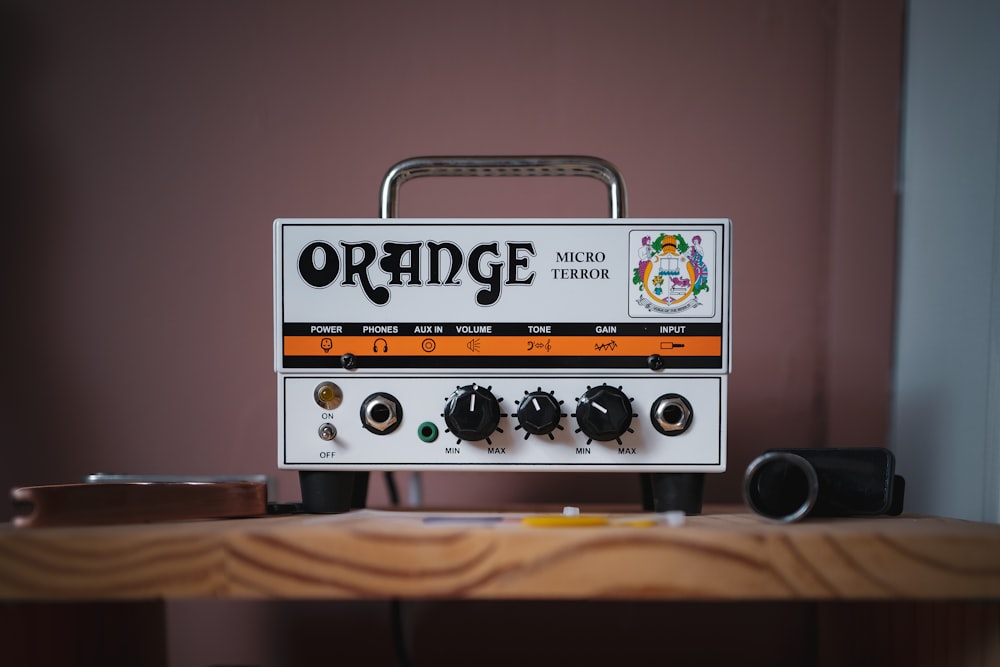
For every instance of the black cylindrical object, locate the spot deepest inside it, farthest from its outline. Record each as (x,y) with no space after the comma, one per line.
(328,492)
(790,484)
(676,491)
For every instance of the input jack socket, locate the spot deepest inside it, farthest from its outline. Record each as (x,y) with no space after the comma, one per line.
(671,414)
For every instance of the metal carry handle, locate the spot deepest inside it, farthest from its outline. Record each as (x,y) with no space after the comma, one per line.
(514,165)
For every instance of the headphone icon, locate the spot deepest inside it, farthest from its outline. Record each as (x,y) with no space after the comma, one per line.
(385,345)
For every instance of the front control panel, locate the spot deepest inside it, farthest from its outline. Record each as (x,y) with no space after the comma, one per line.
(420,344)
(655,423)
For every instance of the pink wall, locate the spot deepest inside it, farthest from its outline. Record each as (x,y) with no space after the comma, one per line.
(150,147)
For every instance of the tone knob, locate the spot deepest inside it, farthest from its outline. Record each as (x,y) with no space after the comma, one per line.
(604,413)
(473,413)
(538,413)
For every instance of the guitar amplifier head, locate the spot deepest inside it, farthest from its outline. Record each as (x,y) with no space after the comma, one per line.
(502,344)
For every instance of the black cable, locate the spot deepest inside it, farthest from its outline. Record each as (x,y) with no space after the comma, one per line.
(390,483)
(398,634)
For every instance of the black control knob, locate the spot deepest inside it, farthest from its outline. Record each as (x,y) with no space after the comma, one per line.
(604,413)
(473,413)
(538,413)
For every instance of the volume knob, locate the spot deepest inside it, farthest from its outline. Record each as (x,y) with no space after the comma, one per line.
(473,413)
(604,413)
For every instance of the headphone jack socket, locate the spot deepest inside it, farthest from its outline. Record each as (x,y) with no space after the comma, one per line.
(381,413)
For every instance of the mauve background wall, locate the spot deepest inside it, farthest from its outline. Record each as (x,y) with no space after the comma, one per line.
(148,146)
(151,146)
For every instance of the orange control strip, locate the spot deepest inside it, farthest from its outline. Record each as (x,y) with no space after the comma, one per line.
(505,346)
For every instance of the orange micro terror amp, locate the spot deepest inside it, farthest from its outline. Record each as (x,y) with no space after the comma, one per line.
(596,344)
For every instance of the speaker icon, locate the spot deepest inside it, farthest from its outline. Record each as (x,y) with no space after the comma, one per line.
(473,345)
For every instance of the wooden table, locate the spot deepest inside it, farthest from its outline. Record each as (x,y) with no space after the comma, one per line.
(894,578)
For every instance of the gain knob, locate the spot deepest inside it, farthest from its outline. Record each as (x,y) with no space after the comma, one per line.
(538,413)
(473,413)
(604,413)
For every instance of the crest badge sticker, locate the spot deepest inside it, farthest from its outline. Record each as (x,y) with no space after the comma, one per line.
(673,273)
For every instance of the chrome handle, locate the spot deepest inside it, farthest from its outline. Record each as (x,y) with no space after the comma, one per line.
(515,165)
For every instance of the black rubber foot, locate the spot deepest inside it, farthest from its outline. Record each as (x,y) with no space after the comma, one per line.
(325,492)
(673,491)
